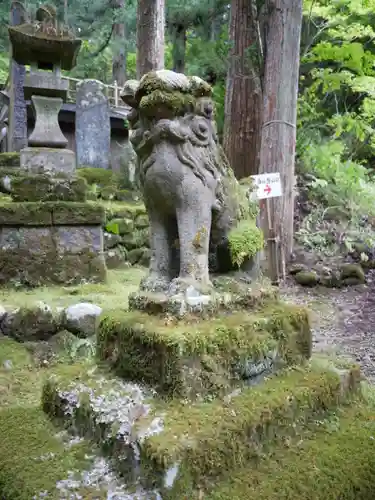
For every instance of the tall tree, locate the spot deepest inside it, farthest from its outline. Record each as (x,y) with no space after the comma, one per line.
(283,32)
(243,101)
(119,43)
(150,36)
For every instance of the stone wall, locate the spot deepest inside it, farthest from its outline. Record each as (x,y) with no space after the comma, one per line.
(126,236)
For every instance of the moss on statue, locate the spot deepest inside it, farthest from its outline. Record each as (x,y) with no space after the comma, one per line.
(44,188)
(175,356)
(161,104)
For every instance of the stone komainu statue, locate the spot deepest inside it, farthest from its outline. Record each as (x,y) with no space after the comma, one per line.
(188,186)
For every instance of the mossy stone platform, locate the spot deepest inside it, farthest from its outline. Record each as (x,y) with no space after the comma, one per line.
(196,356)
(57,242)
(202,440)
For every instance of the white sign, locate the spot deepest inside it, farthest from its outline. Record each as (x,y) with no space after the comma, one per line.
(266,186)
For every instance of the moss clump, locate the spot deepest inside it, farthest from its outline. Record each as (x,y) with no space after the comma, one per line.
(176,357)
(337,462)
(9,159)
(100,176)
(352,274)
(209,440)
(166,104)
(32,458)
(307,278)
(50,213)
(245,241)
(44,188)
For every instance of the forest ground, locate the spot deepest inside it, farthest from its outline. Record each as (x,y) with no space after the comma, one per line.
(342,319)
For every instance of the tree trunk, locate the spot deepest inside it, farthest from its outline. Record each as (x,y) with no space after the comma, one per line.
(119,55)
(179,48)
(150,36)
(283,31)
(243,100)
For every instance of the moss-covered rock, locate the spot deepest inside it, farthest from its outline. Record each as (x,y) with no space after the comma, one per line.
(142,221)
(100,176)
(137,239)
(178,357)
(122,226)
(352,274)
(9,159)
(337,461)
(108,193)
(203,441)
(44,188)
(36,323)
(146,257)
(135,255)
(115,257)
(127,195)
(307,278)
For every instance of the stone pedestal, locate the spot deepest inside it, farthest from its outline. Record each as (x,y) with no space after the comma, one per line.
(56,242)
(50,161)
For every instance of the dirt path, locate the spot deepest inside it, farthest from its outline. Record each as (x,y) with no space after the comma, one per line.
(343,320)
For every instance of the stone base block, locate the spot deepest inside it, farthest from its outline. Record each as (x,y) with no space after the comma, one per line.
(46,188)
(51,254)
(60,162)
(194,302)
(198,356)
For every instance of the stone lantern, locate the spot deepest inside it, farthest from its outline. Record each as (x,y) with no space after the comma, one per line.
(49,233)
(48,49)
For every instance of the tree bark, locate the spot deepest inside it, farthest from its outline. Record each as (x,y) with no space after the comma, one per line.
(280,88)
(150,36)
(179,48)
(119,56)
(243,100)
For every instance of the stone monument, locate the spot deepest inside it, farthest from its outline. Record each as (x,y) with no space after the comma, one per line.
(190,192)
(49,234)
(93,126)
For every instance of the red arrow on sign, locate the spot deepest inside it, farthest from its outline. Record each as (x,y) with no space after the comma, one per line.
(267,189)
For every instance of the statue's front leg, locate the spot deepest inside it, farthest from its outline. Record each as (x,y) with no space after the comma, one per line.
(194,226)
(159,275)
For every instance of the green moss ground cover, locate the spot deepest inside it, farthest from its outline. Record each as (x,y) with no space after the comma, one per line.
(207,440)
(34,454)
(110,295)
(181,357)
(336,462)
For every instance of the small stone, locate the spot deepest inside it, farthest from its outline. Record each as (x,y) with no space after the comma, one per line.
(307,278)
(7,364)
(146,257)
(135,255)
(142,221)
(81,319)
(111,240)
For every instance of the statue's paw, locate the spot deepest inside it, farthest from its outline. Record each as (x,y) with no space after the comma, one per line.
(154,283)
